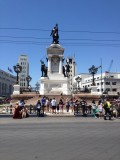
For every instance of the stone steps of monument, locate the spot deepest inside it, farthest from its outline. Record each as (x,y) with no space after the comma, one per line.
(33,100)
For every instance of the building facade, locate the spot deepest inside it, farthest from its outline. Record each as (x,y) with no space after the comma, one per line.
(7,81)
(72,72)
(108,83)
(23,61)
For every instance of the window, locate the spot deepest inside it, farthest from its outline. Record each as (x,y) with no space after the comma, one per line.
(113,83)
(114,89)
(107,89)
(111,76)
(98,90)
(97,77)
(97,84)
(107,83)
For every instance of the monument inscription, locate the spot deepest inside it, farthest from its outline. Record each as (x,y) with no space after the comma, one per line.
(55,64)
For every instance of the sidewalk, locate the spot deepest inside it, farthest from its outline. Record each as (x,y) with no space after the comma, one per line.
(64,114)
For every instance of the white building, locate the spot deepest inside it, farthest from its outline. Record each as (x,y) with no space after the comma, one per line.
(7,81)
(72,72)
(23,61)
(109,82)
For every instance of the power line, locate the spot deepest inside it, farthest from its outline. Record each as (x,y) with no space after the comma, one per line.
(68,39)
(68,44)
(26,29)
(82,31)
(23,37)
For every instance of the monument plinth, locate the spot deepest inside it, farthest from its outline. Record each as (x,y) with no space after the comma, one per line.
(55,82)
(16,89)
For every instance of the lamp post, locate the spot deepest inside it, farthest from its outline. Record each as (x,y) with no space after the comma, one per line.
(78,79)
(28,79)
(93,70)
(17,69)
(37,86)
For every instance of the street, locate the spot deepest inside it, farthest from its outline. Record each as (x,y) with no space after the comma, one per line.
(59,138)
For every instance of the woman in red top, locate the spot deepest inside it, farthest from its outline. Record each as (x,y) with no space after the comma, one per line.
(17,113)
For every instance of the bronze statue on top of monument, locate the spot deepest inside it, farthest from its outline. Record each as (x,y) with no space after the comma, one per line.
(55,35)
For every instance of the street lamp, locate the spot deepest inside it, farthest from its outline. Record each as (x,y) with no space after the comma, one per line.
(37,86)
(93,70)
(17,69)
(78,79)
(28,79)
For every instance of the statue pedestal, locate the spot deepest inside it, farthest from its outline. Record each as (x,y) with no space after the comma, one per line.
(55,83)
(16,89)
(94,90)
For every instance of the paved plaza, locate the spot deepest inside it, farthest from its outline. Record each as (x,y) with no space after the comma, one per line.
(59,138)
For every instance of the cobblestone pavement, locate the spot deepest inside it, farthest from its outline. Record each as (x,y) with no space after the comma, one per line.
(59,138)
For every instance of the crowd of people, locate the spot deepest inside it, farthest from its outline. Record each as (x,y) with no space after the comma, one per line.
(99,109)
(106,109)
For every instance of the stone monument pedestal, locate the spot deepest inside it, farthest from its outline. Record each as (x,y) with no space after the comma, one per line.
(16,89)
(55,83)
(94,90)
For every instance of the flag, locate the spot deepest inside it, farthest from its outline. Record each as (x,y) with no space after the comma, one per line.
(10,70)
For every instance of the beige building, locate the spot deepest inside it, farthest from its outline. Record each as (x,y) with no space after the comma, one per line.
(23,61)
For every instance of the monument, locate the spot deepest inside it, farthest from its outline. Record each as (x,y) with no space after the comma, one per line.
(54,81)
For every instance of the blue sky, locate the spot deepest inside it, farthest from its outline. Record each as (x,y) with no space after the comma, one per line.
(88,29)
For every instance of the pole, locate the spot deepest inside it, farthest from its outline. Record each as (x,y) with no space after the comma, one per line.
(101,78)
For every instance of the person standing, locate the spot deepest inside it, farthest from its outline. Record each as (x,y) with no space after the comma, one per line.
(83,105)
(100,109)
(61,105)
(67,105)
(94,107)
(71,104)
(53,102)
(43,101)
(47,104)
(38,108)
(107,106)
